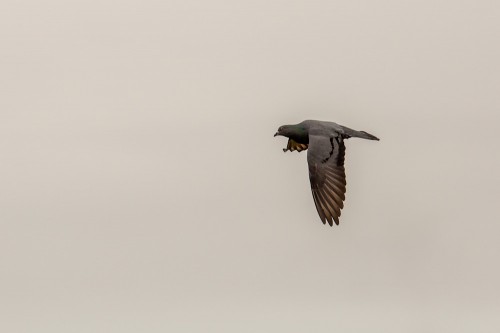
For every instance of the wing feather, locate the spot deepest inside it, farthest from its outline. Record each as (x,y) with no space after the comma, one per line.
(319,208)
(293,145)
(325,157)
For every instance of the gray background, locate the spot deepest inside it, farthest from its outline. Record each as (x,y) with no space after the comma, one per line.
(142,189)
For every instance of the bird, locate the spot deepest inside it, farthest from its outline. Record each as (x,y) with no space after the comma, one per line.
(324,142)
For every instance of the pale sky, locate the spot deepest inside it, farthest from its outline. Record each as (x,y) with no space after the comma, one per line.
(142,189)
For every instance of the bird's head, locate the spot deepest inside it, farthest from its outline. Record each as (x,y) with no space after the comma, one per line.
(285,130)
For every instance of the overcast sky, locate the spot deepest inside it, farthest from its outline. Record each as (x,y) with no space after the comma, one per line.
(142,190)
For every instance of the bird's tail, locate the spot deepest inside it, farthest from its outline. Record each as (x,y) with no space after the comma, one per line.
(368,136)
(350,133)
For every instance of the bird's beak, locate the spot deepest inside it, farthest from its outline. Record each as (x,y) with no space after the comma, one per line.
(275,134)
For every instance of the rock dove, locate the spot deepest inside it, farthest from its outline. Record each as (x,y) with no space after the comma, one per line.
(324,141)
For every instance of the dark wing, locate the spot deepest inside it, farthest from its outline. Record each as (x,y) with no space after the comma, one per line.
(325,157)
(294,145)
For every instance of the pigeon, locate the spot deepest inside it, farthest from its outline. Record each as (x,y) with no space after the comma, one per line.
(324,142)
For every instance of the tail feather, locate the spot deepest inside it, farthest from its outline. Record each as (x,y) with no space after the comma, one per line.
(350,133)
(368,136)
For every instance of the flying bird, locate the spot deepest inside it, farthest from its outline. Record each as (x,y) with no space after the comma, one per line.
(324,142)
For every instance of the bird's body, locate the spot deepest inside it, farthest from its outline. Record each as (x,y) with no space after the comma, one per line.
(324,141)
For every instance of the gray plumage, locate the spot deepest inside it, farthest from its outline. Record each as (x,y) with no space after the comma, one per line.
(324,142)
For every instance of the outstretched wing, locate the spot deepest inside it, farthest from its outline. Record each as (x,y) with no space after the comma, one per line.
(325,157)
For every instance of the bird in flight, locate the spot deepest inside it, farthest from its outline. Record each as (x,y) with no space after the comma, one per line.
(324,142)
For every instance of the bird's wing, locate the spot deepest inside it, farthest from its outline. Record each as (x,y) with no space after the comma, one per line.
(325,157)
(293,145)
